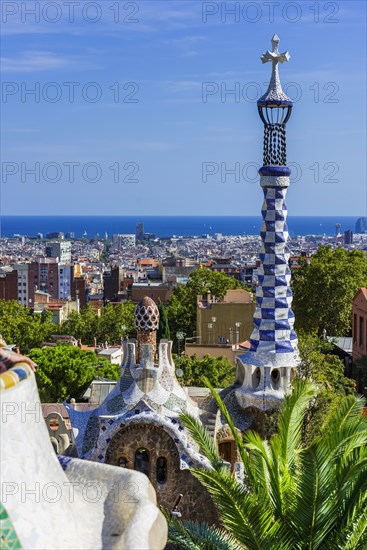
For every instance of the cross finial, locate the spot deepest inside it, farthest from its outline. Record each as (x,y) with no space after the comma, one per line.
(275,92)
(274,56)
(275,42)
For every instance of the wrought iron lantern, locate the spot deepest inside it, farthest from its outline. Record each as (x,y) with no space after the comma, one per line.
(275,108)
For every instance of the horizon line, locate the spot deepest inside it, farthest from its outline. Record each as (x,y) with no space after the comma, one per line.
(174,215)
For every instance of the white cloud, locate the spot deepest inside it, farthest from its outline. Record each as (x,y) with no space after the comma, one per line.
(34,61)
(38,61)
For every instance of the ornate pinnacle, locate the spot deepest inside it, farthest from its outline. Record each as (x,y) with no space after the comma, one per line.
(275,56)
(274,92)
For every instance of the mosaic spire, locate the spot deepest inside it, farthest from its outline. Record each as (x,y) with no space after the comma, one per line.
(146,318)
(268,365)
(274,93)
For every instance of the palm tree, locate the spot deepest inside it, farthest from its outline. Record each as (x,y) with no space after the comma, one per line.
(292,497)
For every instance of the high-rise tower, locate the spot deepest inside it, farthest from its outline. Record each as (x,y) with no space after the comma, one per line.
(267,366)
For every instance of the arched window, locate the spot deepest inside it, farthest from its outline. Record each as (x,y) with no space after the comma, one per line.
(161,469)
(256,377)
(123,462)
(142,461)
(275,378)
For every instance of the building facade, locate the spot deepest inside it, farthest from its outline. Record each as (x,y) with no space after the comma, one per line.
(138,425)
(113,283)
(60,250)
(59,281)
(225,321)
(359,324)
(122,241)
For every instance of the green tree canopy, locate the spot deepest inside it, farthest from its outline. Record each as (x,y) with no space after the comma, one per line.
(19,326)
(324,290)
(325,370)
(64,372)
(163,330)
(83,326)
(115,321)
(218,370)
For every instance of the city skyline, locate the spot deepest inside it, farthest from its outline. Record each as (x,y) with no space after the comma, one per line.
(170,138)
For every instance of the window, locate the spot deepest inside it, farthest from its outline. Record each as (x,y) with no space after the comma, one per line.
(141,463)
(361,331)
(275,378)
(256,377)
(161,469)
(123,462)
(355,328)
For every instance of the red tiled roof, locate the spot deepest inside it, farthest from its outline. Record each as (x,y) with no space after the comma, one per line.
(364,292)
(48,408)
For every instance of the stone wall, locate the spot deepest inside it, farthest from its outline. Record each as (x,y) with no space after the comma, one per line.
(196,503)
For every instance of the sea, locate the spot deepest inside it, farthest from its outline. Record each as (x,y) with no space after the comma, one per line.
(167,226)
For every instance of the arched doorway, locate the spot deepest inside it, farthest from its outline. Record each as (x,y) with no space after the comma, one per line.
(227,446)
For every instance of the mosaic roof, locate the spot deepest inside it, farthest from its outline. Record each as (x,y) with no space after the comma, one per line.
(146,393)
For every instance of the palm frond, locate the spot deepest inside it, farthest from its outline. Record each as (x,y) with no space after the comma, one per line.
(344,421)
(291,419)
(204,440)
(192,535)
(293,497)
(352,537)
(237,438)
(260,463)
(179,534)
(242,513)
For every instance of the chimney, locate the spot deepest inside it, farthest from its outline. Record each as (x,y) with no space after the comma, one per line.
(146,323)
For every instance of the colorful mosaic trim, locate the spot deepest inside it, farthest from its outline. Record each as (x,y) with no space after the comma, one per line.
(13,376)
(8,536)
(147,393)
(64,461)
(273,317)
(186,447)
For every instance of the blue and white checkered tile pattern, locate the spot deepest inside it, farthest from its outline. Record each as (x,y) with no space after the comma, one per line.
(273,317)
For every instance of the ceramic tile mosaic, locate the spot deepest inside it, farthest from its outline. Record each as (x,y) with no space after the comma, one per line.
(66,504)
(273,353)
(133,402)
(8,536)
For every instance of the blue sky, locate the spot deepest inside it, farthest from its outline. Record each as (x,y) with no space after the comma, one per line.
(159,134)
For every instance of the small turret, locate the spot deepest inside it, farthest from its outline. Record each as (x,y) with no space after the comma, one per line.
(146,323)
